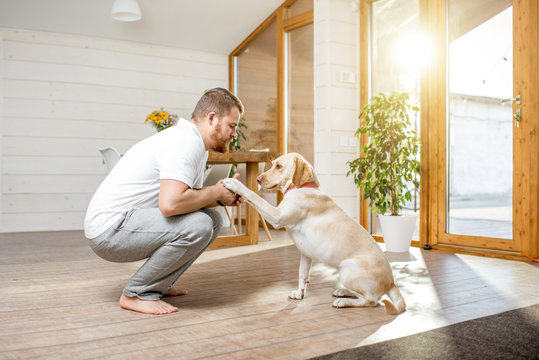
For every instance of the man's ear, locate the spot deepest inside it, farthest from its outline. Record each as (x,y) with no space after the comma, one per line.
(211,116)
(302,173)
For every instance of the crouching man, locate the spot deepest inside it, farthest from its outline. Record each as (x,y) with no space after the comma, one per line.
(152,205)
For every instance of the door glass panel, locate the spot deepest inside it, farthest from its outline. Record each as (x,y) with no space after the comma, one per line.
(480,138)
(300,91)
(255,83)
(398,52)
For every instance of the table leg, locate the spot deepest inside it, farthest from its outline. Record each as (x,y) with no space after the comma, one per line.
(251,216)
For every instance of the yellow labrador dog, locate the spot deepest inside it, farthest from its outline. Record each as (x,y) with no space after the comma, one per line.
(323,232)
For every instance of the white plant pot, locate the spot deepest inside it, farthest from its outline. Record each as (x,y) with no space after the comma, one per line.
(398,231)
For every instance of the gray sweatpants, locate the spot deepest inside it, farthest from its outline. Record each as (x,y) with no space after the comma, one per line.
(171,245)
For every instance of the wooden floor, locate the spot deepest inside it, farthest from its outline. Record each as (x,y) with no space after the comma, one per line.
(59,301)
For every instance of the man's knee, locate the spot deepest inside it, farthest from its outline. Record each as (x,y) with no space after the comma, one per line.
(205,225)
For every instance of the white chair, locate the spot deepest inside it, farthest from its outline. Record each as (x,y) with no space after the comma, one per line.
(111,156)
(212,175)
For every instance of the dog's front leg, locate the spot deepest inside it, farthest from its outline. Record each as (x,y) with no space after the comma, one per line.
(272,214)
(304,270)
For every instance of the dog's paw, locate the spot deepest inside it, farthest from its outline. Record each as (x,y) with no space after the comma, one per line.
(341,303)
(343,293)
(233,185)
(296,295)
(353,302)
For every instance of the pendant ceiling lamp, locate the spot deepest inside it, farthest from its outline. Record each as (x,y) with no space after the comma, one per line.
(125,10)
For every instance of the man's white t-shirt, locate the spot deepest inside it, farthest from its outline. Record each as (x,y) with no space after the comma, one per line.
(177,153)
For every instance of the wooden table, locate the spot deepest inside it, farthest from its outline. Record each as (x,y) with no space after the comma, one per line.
(251,159)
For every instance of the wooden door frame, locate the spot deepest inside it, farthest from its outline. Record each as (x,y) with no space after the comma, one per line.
(433,97)
(526,164)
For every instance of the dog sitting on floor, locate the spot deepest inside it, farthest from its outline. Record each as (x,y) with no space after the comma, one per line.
(322,231)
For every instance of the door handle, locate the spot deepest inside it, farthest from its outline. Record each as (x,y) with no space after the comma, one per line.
(516,98)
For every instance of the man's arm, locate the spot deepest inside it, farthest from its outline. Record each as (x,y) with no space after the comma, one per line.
(176,198)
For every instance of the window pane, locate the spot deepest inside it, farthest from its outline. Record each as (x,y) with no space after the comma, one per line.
(256,86)
(480,147)
(395,46)
(301,92)
(398,50)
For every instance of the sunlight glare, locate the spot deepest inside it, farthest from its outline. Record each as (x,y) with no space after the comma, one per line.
(414,49)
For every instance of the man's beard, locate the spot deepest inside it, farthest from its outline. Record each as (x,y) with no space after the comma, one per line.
(221,145)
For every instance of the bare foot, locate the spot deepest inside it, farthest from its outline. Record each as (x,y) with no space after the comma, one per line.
(156,307)
(176,292)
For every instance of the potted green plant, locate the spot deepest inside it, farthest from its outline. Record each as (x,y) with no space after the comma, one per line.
(235,144)
(387,171)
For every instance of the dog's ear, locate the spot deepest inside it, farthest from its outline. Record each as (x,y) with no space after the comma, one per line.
(302,173)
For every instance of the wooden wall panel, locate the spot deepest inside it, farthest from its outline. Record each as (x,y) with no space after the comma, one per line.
(50,184)
(48,165)
(95,95)
(66,96)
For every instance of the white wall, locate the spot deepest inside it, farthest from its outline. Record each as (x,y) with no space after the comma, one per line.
(481,147)
(336,44)
(63,98)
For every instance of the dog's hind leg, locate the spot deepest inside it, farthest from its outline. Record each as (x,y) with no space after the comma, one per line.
(357,283)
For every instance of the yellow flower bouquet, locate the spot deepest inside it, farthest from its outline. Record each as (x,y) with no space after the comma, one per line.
(161,119)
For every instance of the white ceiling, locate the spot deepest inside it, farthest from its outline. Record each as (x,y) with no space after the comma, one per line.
(208,25)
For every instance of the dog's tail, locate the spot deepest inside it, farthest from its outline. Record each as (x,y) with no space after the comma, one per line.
(397,304)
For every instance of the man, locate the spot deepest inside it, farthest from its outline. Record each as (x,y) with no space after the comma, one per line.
(152,204)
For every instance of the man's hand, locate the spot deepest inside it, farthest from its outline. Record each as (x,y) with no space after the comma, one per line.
(177,198)
(227,197)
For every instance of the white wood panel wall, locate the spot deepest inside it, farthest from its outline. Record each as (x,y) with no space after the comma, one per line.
(336,50)
(63,98)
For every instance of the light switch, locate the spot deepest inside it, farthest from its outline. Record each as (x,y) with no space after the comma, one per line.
(348,77)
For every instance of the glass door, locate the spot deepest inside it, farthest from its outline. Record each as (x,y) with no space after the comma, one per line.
(481,111)
(478,85)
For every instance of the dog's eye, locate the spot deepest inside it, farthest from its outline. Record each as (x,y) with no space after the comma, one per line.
(278,166)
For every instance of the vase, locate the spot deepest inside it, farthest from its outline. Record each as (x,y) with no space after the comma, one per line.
(398,231)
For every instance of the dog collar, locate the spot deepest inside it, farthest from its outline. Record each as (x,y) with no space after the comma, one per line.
(310,184)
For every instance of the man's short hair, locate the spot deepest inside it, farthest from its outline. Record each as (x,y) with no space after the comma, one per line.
(219,100)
